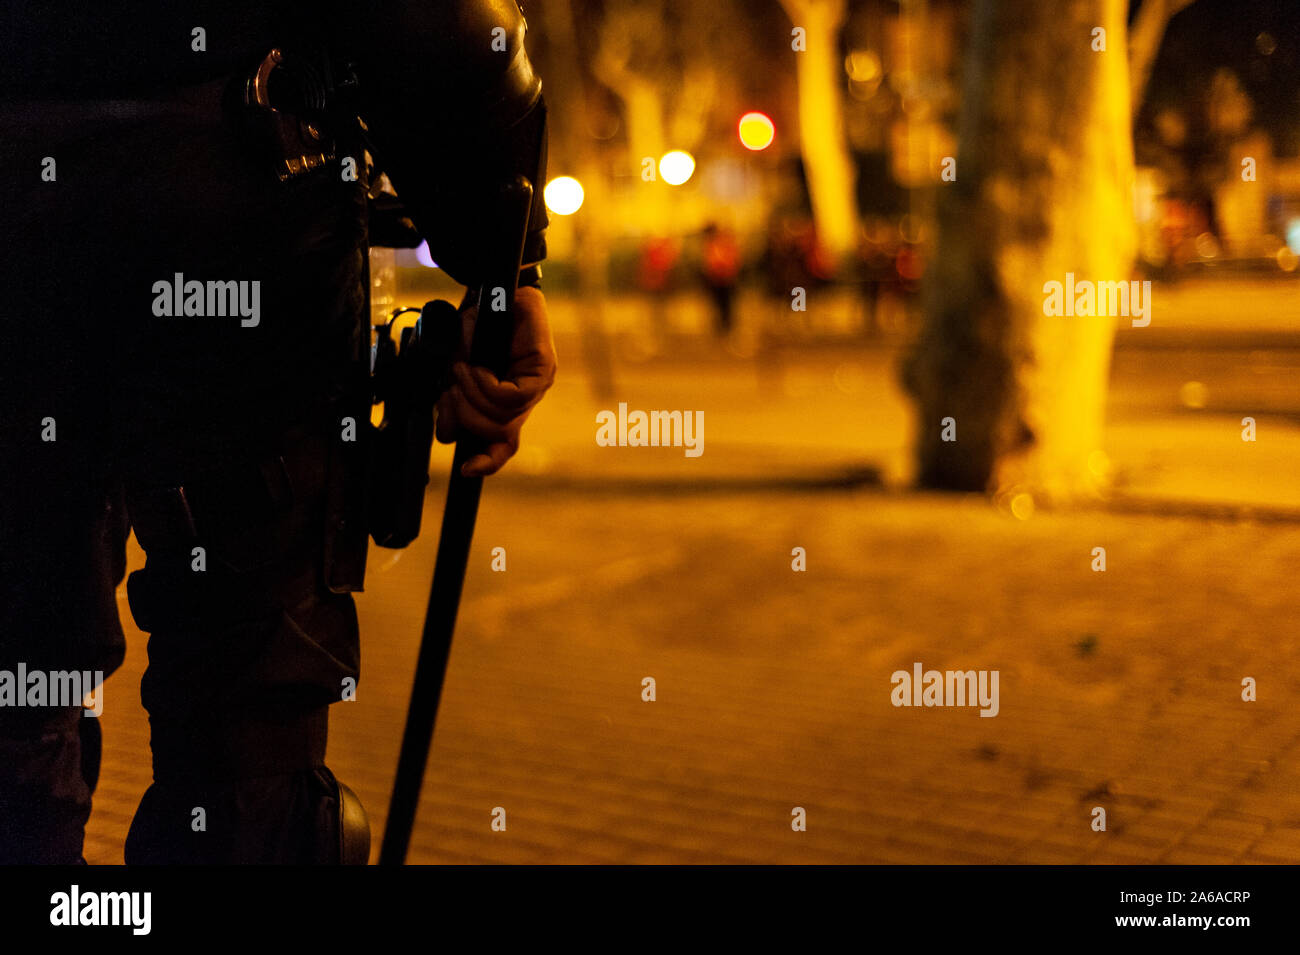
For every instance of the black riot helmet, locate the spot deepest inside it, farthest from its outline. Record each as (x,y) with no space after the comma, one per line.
(453,109)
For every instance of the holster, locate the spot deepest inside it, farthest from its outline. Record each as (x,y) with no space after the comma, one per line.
(408,381)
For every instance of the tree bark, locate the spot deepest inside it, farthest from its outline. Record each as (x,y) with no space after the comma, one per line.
(821,123)
(1144,43)
(1044,187)
(630,33)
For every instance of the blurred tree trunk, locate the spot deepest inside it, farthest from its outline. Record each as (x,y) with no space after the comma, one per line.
(1144,43)
(630,59)
(821,123)
(1044,187)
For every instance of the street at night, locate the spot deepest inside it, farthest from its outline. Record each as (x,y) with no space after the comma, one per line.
(690,443)
(1116,687)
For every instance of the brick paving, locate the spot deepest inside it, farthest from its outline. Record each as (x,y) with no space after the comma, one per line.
(1118,689)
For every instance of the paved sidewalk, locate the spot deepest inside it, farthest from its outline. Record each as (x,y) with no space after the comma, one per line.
(810,416)
(1118,689)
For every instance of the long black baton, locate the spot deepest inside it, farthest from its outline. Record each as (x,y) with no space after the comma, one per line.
(493,331)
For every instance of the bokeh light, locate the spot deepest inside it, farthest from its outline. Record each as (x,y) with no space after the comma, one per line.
(863,66)
(756,131)
(563,195)
(1193,394)
(676,167)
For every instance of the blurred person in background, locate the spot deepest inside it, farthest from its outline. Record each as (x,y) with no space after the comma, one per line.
(720,270)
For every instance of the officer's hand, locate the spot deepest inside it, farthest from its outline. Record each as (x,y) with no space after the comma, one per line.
(494,409)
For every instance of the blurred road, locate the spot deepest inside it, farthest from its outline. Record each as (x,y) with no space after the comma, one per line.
(1119,689)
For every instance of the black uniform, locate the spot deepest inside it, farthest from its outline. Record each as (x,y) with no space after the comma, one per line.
(130,167)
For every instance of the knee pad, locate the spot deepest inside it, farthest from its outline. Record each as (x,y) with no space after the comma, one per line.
(303,818)
(354,828)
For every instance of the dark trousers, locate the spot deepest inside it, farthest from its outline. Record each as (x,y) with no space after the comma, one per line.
(200,432)
(245,654)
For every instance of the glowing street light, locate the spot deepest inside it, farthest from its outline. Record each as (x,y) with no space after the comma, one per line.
(676,167)
(563,195)
(756,131)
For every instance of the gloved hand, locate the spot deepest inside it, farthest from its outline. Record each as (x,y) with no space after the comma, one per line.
(495,409)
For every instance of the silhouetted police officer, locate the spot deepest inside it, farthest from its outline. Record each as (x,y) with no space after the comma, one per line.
(184,342)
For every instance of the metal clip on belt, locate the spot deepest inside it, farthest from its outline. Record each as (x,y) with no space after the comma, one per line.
(299,144)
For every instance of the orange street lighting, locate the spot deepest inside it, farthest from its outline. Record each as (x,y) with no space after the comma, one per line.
(756,131)
(676,167)
(563,195)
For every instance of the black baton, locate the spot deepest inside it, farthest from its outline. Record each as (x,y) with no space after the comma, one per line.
(493,331)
